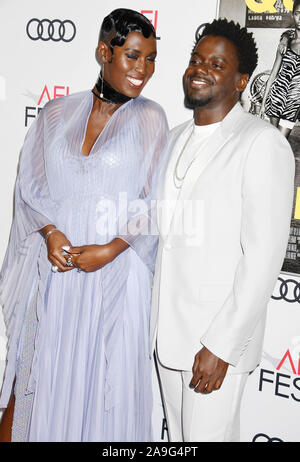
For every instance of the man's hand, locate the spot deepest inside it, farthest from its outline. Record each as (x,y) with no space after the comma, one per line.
(208,372)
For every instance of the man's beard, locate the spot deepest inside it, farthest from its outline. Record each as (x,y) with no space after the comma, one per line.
(191,102)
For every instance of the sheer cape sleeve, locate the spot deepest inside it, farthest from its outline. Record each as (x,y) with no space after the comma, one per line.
(33,209)
(141,231)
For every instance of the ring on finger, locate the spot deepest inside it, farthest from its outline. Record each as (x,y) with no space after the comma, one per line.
(69,261)
(198,383)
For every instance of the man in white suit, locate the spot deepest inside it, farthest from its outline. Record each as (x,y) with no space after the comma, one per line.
(226,201)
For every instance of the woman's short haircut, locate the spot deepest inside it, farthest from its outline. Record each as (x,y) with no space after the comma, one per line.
(120,22)
(239,36)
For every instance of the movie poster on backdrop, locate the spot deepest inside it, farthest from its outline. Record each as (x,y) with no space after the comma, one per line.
(272,24)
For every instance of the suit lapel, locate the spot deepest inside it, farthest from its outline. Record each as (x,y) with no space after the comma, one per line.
(210,150)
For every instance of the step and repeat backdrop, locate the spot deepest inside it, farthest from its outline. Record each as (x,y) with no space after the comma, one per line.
(48,51)
(270,406)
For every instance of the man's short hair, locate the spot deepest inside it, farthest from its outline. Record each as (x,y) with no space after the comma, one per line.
(239,36)
(120,22)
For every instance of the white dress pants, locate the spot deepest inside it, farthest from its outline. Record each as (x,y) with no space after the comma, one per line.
(192,416)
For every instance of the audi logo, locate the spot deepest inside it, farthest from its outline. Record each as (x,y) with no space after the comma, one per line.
(55,30)
(289,290)
(262,437)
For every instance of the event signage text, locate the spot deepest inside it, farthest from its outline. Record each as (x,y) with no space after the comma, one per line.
(284,385)
(58,91)
(269,13)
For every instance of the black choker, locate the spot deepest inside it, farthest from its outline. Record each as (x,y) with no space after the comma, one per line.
(108,94)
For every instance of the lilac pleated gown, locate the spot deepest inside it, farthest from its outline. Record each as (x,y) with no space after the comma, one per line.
(90,370)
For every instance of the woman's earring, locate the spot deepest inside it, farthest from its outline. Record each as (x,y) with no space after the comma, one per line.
(101,94)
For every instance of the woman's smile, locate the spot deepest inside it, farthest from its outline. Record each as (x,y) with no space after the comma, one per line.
(135,82)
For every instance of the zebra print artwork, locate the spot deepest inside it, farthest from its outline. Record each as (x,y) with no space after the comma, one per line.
(283,100)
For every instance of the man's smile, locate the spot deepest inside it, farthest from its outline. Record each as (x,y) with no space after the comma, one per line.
(200,82)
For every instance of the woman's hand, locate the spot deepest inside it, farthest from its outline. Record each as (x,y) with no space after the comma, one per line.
(54,243)
(93,257)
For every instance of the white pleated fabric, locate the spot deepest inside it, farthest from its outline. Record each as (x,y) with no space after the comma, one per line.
(91,370)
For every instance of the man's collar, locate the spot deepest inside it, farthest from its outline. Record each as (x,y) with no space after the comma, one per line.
(229,122)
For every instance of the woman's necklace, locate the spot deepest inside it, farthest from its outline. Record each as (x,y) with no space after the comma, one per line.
(108,94)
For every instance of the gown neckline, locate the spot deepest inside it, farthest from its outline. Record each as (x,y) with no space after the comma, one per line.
(106,126)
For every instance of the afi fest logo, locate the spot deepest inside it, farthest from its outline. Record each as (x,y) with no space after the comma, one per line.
(284,385)
(152,15)
(57,91)
(264,6)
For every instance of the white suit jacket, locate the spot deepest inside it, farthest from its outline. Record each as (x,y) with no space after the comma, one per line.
(212,287)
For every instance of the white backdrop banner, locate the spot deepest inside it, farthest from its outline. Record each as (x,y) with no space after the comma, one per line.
(48,52)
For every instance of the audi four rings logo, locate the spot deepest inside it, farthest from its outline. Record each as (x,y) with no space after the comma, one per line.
(55,30)
(289,291)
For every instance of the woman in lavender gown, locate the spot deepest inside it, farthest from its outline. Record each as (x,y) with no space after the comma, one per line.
(76,279)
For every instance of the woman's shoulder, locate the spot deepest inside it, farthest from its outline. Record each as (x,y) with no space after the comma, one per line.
(149,107)
(150,113)
(285,41)
(55,107)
